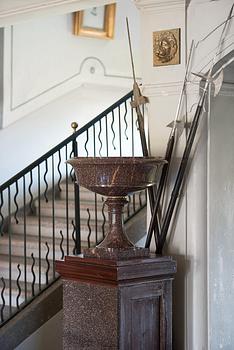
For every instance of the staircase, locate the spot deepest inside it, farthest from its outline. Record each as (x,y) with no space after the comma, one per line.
(91,206)
(45,216)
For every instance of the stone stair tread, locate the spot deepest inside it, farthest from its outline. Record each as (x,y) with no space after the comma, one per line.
(46,221)
(60,225)
(33,247)
(71,204)
(17,259)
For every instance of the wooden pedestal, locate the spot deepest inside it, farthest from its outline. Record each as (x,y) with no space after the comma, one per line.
(124,305)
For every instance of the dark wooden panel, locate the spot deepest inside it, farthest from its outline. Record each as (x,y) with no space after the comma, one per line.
(146,316)
(145,330)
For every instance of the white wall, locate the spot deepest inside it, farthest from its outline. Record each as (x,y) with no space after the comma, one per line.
(221,222)
(48,81)
(43,60)
(188,241)
(30,137)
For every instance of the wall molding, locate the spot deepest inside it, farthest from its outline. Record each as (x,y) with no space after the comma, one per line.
(29,9)
(171,88)
(160,5)
(89,65)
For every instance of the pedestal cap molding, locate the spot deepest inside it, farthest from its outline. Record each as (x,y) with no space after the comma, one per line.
(113,273)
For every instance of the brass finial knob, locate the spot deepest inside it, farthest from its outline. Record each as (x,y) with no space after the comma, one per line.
(74,126)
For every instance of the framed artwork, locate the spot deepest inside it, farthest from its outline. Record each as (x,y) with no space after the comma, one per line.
(95,22)
(166,47)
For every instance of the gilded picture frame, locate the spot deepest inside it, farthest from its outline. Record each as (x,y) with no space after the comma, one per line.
(95,22)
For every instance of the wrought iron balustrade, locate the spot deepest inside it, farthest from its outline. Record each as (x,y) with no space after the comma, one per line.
(41,217)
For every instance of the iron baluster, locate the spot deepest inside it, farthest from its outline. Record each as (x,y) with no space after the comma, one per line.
(61,244)
(39,224)
(107,149)
(73,237)
(86,142)
(140,199)
(134,202)
(104,219)
(9,257)
(77,197)
(15,201)
(1,216)
(128,205)
(48,263)
(99,137)
(125,120)
(46,183)
(25,241)
(59,171)
(53,217)
(30,192)
(72,174)
(120,140)
(89,228)
(33,275)
(132,122)
(67,213)
(112,129)
(95,194)
(19,288)
(3,299)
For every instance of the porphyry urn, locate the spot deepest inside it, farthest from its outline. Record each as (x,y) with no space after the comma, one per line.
(115,178)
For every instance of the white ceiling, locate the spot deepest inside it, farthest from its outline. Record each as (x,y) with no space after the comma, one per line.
(13,11)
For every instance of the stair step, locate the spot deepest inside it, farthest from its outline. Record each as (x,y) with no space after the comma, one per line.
(15,260)
(60,209)
(32,246)
(60,225)
(18,294)
(85,194)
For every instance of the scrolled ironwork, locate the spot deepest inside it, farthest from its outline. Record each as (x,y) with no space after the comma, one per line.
(33,275)
(15,201)
(30,192)
(99,138)
(48,263)
(3,299)
(125,120)
(89,227)
(46,183)
(61,244)
(1,215)
(86,143)
(19,288)
(104,218)
(112,129)
(74,236)
(59,171)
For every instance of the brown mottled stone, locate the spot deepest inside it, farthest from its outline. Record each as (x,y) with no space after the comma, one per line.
(117,304)
(116,177)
